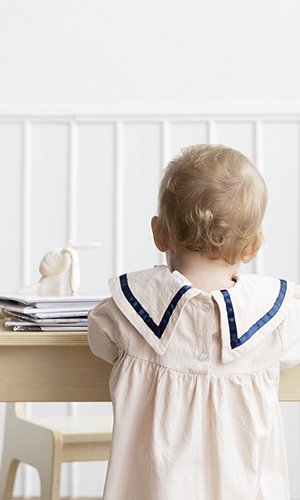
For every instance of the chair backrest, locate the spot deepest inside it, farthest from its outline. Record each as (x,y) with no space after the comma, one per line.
(14,411)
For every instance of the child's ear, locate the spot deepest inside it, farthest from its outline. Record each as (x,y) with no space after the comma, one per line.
(252,249)
(158,236)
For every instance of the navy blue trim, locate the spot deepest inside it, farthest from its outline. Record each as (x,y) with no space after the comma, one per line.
(234,340)
(158,330)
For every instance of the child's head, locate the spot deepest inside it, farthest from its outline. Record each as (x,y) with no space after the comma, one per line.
(212,200)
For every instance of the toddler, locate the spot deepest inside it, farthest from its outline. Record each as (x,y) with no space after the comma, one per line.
(197,347)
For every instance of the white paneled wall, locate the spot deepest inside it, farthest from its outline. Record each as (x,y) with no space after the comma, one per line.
(95,177)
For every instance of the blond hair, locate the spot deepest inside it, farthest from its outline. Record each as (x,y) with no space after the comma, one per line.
(212,200)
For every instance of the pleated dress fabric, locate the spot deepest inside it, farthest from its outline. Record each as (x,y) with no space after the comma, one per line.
(194,385)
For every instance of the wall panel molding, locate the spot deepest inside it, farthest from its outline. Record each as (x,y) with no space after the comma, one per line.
(117,146)
(107,111)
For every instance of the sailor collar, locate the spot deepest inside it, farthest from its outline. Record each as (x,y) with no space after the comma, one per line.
(154,299)
(249,311)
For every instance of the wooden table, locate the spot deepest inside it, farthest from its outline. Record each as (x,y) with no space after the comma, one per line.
(36,366)
(47,366)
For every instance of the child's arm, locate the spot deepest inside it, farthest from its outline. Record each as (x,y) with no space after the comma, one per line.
(102,331)
(289,332)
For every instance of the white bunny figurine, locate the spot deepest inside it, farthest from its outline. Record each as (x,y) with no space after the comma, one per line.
(53,266)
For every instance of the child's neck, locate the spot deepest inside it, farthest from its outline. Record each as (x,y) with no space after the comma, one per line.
(204,273)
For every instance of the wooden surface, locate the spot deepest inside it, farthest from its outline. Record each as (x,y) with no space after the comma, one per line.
(36,366)
(289,389)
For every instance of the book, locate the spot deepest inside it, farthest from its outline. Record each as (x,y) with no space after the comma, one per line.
(45,327)
(47,313)
(51,301)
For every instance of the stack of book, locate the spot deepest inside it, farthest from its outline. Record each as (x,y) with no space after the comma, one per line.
(49,314)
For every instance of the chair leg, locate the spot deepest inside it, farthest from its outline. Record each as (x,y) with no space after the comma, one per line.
(49,471)
(7,478)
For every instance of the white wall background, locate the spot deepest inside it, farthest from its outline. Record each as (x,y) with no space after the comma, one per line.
(96,96)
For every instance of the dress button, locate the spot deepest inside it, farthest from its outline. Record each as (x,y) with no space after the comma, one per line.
(203,356)
(205,306)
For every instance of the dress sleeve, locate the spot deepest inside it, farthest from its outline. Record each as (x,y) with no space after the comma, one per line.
(102,331)
(290,333)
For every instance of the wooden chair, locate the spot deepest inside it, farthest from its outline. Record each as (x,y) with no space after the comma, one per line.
(46,442)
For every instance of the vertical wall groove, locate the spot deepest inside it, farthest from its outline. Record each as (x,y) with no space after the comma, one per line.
(118,197)
(165,140)
(26,204)
(211,132)
(165,148)
(73,183)
(258,264)
(298,277)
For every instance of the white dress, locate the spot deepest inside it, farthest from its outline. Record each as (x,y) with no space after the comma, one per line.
(194,386)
